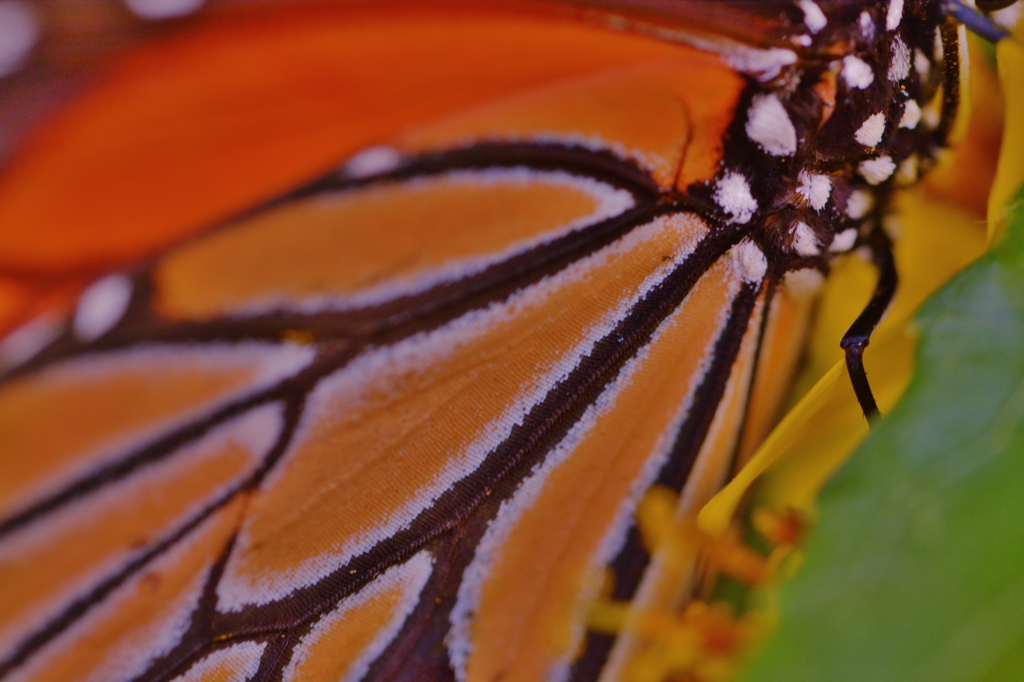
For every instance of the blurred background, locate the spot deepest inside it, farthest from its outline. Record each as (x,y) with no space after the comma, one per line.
(51,49)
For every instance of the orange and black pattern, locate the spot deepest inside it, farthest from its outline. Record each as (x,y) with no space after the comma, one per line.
(394,424)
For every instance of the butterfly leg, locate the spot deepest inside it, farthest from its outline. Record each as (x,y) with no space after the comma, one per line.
(858,336)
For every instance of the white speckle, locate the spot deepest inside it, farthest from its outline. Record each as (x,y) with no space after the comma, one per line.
(748,261)
(911,115)
(24,342)
(805,242)
(857,73)
(876,171)
(802,40)
(765,64)
(732,193)
(789,82)
(372,161)
(19,32)
(769,126)
(815,189)
(937,47)
(859,203)
(101,306)
(922,64)
(906,174)
(162,9)
(899,68)
(843,241)
(803,284)
(894,16)
(870,132)
(867,25)
(814,18)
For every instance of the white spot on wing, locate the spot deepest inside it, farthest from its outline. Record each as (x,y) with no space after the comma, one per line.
(19,32)
(101,307)
(765,64)
(857,73)
(372,161)
(870,132)
(805,241)
(843,241)
(859,203)
(894,16)
(911,115)
(23,343)
(867,25)
(769,126)
(732,193)
(748,261)
(163,9)
(877,171)
(815,189)
(814,18)
(899,67)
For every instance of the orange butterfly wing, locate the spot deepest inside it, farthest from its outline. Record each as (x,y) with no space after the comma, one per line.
(395,422)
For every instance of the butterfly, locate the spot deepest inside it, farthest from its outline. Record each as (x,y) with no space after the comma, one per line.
(403,310)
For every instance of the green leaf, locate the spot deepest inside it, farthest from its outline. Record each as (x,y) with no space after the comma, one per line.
(915,571)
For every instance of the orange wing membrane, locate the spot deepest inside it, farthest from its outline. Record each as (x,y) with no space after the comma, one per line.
(349,341)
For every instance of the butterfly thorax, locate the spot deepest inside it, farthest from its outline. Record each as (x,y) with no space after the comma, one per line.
(818,144)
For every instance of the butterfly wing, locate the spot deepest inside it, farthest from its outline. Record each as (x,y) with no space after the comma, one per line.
(394,423)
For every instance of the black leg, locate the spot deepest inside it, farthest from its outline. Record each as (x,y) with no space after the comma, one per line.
(859,335)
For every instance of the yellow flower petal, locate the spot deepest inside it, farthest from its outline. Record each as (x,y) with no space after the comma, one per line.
(936,240)
(965,172)
(1010,171)
(845,294)
(817,435)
